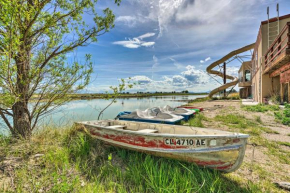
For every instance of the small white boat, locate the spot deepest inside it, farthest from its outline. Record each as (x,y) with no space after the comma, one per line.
(150,116)
(205,147)
(186,113)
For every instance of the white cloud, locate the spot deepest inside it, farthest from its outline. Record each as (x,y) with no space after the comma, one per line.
(174,83)
(179,80)
(232,70)
(190,78)
(141,80)
(147,35)
(165,13)
(147,44)
(155,64)
(136,42)
(127,20)
(195,76)
(207,16)
(160,11)
(132,20)
(178,65)
(205,60)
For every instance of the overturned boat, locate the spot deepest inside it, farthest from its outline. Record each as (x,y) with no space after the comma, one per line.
(186,113)
(209,148)
(150,116)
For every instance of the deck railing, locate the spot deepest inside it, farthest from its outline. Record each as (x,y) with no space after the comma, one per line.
(280,44)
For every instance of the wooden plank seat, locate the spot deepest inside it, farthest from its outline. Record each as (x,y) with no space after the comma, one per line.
(117,127)
(148,131)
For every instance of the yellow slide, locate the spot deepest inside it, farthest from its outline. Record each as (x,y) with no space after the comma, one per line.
(235,80)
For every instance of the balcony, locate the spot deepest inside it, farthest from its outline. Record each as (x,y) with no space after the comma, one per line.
(245,83)
(278,53)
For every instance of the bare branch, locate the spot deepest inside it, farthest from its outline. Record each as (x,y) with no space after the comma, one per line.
(6,121)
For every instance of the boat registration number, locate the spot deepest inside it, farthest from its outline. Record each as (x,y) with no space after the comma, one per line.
(185,142)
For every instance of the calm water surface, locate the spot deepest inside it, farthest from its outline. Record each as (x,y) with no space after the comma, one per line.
(85,110)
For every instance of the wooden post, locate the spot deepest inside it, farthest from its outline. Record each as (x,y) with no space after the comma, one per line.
(282,92)
(288,43)
(288,35)
(288,92)
(225,79)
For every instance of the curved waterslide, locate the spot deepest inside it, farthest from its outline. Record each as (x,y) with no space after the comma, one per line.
(234,79)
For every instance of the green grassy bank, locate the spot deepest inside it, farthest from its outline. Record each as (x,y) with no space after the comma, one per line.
(68,160)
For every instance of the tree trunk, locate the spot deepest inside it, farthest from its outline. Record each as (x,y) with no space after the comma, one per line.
(21,114)
(21,121)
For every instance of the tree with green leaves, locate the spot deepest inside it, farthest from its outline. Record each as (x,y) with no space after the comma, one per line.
(116,92)
(35,37)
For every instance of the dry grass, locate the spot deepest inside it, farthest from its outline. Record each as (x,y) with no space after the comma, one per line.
(266,161)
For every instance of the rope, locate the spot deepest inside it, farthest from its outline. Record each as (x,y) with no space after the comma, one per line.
(214,78)
(231,90)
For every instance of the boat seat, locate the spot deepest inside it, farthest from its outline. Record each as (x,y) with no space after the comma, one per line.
(116,127)
(167,129)
(132,126)
(148,131)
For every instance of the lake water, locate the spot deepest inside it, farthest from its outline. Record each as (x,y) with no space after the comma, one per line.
(85,110)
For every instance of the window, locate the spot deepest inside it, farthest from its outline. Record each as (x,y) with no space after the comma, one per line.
(247,75)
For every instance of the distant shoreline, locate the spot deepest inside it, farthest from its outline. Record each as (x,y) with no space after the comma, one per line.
(133,95)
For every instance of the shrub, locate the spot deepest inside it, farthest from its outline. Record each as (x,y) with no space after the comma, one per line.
(286,112)
(286,121)
(278,115)
(285,116)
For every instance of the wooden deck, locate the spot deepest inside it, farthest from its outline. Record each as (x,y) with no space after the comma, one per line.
(278,53)
(282,59)
(245,84)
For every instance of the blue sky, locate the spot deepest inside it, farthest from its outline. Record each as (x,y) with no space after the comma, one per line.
(166,45)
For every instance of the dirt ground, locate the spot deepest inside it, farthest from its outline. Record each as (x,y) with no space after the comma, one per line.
(259,162)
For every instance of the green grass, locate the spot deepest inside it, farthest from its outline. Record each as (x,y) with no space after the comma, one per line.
(202,99)
(73,161)
(258,119)
(196,121)
(268,130)
(284,143)
(283,116)
(261,108)
(245,125)
(235,121)
(254,129)
(275,151)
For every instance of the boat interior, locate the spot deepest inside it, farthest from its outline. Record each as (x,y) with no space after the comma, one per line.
(168,109)
(150,114)
(142,127)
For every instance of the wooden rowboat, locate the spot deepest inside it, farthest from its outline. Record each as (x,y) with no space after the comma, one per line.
(209,148)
